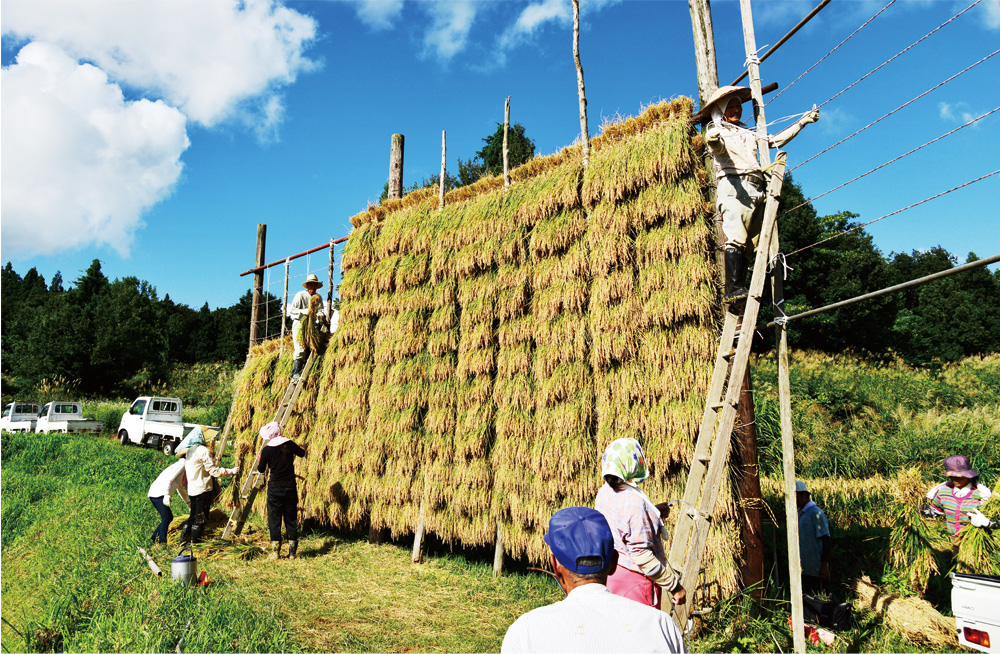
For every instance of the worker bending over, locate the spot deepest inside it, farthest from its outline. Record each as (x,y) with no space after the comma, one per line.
(740,178)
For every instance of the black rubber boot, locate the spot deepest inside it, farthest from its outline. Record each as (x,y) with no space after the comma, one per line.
(297,368)
(293,548)
(196,533)
(186,532)
(736,274)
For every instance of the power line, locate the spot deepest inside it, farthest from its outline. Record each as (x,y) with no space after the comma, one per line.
(811,200)
(915,204)
(905,104)
(827,54)
(880,66)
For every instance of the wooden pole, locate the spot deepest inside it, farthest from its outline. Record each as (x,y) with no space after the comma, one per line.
(584,131)
(784,393)
(498,553)
(284,311)
(444,164)
(704,49)
(506,150)
(746,471)
(329,284)
(258,285)
(396,167)
(418,538)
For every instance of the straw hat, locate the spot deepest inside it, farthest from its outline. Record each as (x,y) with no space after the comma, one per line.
(312,281)
(723,93)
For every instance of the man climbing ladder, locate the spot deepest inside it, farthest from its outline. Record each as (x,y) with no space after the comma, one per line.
(740,194)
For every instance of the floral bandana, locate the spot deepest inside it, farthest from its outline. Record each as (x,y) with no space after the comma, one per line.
(625,459)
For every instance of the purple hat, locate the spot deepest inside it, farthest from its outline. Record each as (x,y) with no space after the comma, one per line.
(959,466)
(577,532)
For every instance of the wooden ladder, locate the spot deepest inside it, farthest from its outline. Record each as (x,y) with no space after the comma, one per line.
(712,447)
(254,481)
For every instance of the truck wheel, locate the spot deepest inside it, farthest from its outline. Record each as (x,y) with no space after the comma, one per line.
(123,437)
(167,447)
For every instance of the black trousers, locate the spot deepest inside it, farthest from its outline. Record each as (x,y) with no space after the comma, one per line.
(283,504)
(200,505)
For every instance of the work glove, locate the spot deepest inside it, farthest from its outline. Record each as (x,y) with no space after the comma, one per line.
(979,520)
(166,500)
(929,511)
(810,117)
(234,471)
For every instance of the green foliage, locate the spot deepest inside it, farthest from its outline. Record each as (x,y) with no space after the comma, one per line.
(855,419)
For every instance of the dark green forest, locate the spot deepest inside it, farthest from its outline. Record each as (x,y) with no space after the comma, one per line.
(100,337)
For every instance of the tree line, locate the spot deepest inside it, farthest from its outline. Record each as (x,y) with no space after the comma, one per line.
(98,334)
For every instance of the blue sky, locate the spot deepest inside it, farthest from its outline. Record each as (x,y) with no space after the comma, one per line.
(155,135)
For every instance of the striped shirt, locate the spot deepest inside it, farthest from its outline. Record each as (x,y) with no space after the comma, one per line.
(634,524)
(592,619)
(956,503)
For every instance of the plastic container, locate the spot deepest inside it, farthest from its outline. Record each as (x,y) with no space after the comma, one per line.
(184,567)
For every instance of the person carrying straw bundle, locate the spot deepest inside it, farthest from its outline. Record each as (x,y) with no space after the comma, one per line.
(299,309)
(959,498)
(278,455)
(740,179)
(637,526)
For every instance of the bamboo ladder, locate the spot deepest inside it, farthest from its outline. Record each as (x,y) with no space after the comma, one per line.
(712,447)
(254,481)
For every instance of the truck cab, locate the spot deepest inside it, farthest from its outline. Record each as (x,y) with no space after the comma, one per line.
(154,422)
(19,417)
(67,418)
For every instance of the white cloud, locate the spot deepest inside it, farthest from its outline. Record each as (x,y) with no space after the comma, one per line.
(206,58)
(990,12)
(958,113)
(378,14)
(80,163)
(450,25)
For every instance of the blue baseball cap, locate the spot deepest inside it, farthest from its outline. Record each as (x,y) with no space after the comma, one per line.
(577,532)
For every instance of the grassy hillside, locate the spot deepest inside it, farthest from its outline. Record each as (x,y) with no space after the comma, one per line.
(74,511)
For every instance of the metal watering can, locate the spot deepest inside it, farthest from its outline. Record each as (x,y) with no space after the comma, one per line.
(184,567)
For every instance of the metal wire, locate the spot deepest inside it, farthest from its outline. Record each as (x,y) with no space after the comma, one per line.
(906,154)
(880,66)
(915,204)
(829,53)
(909,102)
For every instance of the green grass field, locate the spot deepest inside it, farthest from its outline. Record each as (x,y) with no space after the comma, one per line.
(74,510)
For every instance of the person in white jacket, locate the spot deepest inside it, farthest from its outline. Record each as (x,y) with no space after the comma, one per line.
(200,469)
(172,479)
(297,310)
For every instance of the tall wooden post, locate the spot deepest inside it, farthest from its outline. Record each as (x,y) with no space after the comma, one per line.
(498,553)
(284,310)
(584,131)
(396,167)
(444,168)
(746,471)
(506,150)
(704,48)
(258,286)
(784,392)
(329,285)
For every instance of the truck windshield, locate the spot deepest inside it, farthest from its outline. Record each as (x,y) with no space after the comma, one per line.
(138,408)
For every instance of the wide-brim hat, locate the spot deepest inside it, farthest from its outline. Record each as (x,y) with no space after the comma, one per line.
(723,93)
(959,466)
(312,281)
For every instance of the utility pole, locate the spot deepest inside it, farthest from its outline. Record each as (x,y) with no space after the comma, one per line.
(396,168)
(704,48)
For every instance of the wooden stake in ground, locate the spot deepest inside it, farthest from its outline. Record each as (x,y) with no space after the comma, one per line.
(396,167)
(584,132)
(444,164)
(258,285)
(506,151)
(498,553)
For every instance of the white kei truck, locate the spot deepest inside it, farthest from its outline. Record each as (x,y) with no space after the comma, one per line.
(19,417)
(975,601)
(66,418)
(156,422)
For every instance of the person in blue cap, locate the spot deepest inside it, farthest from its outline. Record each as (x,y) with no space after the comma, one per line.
(590,618)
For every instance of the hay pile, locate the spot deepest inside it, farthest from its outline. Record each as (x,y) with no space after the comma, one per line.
(914,618)
(488,351)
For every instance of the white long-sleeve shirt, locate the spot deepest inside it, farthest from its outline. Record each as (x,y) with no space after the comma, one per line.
(592,619)
(168,481)
(200,470)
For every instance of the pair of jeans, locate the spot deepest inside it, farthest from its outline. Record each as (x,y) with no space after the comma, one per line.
(282,504)
(166,515)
